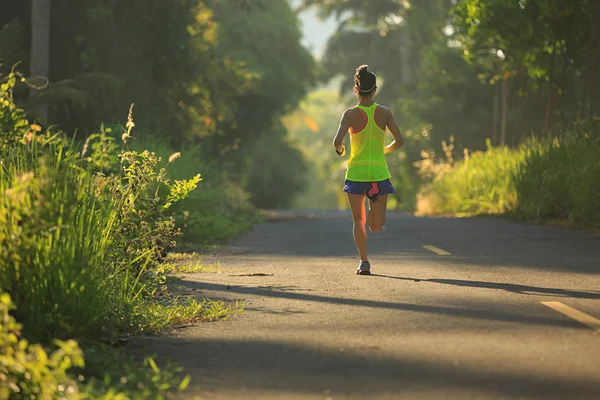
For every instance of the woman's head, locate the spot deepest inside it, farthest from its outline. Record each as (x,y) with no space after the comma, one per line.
(365,82)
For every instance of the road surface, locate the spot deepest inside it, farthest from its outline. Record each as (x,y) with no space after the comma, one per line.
(477,308)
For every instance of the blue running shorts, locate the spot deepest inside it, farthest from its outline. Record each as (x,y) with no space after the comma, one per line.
(371,189)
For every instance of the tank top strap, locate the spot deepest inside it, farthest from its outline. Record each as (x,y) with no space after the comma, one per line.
(369,111)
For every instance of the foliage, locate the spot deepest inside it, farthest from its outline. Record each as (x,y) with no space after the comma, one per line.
(560,180)
(267,41)
(27,371)
(547,49)
(483,182)
(219,73)
(278,172)
(110,54)
(218,211)
(76,243)
(543,180)
(80,231)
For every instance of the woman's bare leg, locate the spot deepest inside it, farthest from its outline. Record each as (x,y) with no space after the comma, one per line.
(377,210)
(357,205)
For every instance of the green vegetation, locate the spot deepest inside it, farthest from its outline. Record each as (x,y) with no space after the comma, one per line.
(29,371)
(549,180)
(211,76)
(483,182)
(89,215)
(489,75)
(85,229)
(560,181)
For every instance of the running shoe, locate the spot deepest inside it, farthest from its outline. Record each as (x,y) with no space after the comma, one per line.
(364,268)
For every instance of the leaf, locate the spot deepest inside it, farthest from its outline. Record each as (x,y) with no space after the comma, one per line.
(311,123)
(185,382)
(153,366)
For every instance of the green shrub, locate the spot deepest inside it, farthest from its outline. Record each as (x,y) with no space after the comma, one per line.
(79,231)
(27,371)
(560,180)
(218,210)
(75,244)
(483,182)
(278,172)
(543,180)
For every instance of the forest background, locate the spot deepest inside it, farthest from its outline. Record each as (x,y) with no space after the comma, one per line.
(130,129)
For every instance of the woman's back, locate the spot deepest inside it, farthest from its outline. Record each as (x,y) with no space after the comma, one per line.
(367,174)
(367,131)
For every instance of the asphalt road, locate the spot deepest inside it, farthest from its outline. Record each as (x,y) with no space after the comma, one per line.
(463,319)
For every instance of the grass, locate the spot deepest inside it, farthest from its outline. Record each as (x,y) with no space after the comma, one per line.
(215,214)
(482,183)
(554,180)
(191,268)
(158,315)
(560,181)
(83,235)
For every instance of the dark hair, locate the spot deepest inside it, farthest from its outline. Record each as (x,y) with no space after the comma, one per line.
(365,81)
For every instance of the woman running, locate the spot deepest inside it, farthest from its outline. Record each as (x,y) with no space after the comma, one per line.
(368,174)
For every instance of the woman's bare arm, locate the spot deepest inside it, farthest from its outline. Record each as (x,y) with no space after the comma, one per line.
(395,131)
(338,141)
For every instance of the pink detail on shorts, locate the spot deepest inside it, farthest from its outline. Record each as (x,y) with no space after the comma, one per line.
(374,189)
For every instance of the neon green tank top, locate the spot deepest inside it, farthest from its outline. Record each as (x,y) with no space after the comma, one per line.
(367,160)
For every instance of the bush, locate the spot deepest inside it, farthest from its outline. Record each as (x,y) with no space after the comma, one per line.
(218,210)
(80,229)
(560,180)
(483,182)
(543,180)
(76,243)
(27,371)
(278,173)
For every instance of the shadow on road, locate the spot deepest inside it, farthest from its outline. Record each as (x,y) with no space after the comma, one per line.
(509,287)
(471,241)
(244,366)
(482,314)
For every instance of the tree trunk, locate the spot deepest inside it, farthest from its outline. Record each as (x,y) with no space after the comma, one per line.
(405,56)
(495,115)
(40,47)
(550,92)
(563,89)
(504,111)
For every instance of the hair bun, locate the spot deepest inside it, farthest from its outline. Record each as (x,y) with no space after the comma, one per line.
(364,80)
(362,70)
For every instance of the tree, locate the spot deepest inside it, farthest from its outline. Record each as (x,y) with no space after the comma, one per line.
(423,77)
(252,146)
(529,42)
(40,46)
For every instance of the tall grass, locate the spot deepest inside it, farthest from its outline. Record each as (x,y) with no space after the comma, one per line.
(54,243)
(483,182)
(543,180)
(218,211)
(81,225)
(57,244)
(559,180)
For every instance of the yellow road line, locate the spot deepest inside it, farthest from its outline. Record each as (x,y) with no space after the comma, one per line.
(575,314)
(437,251)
